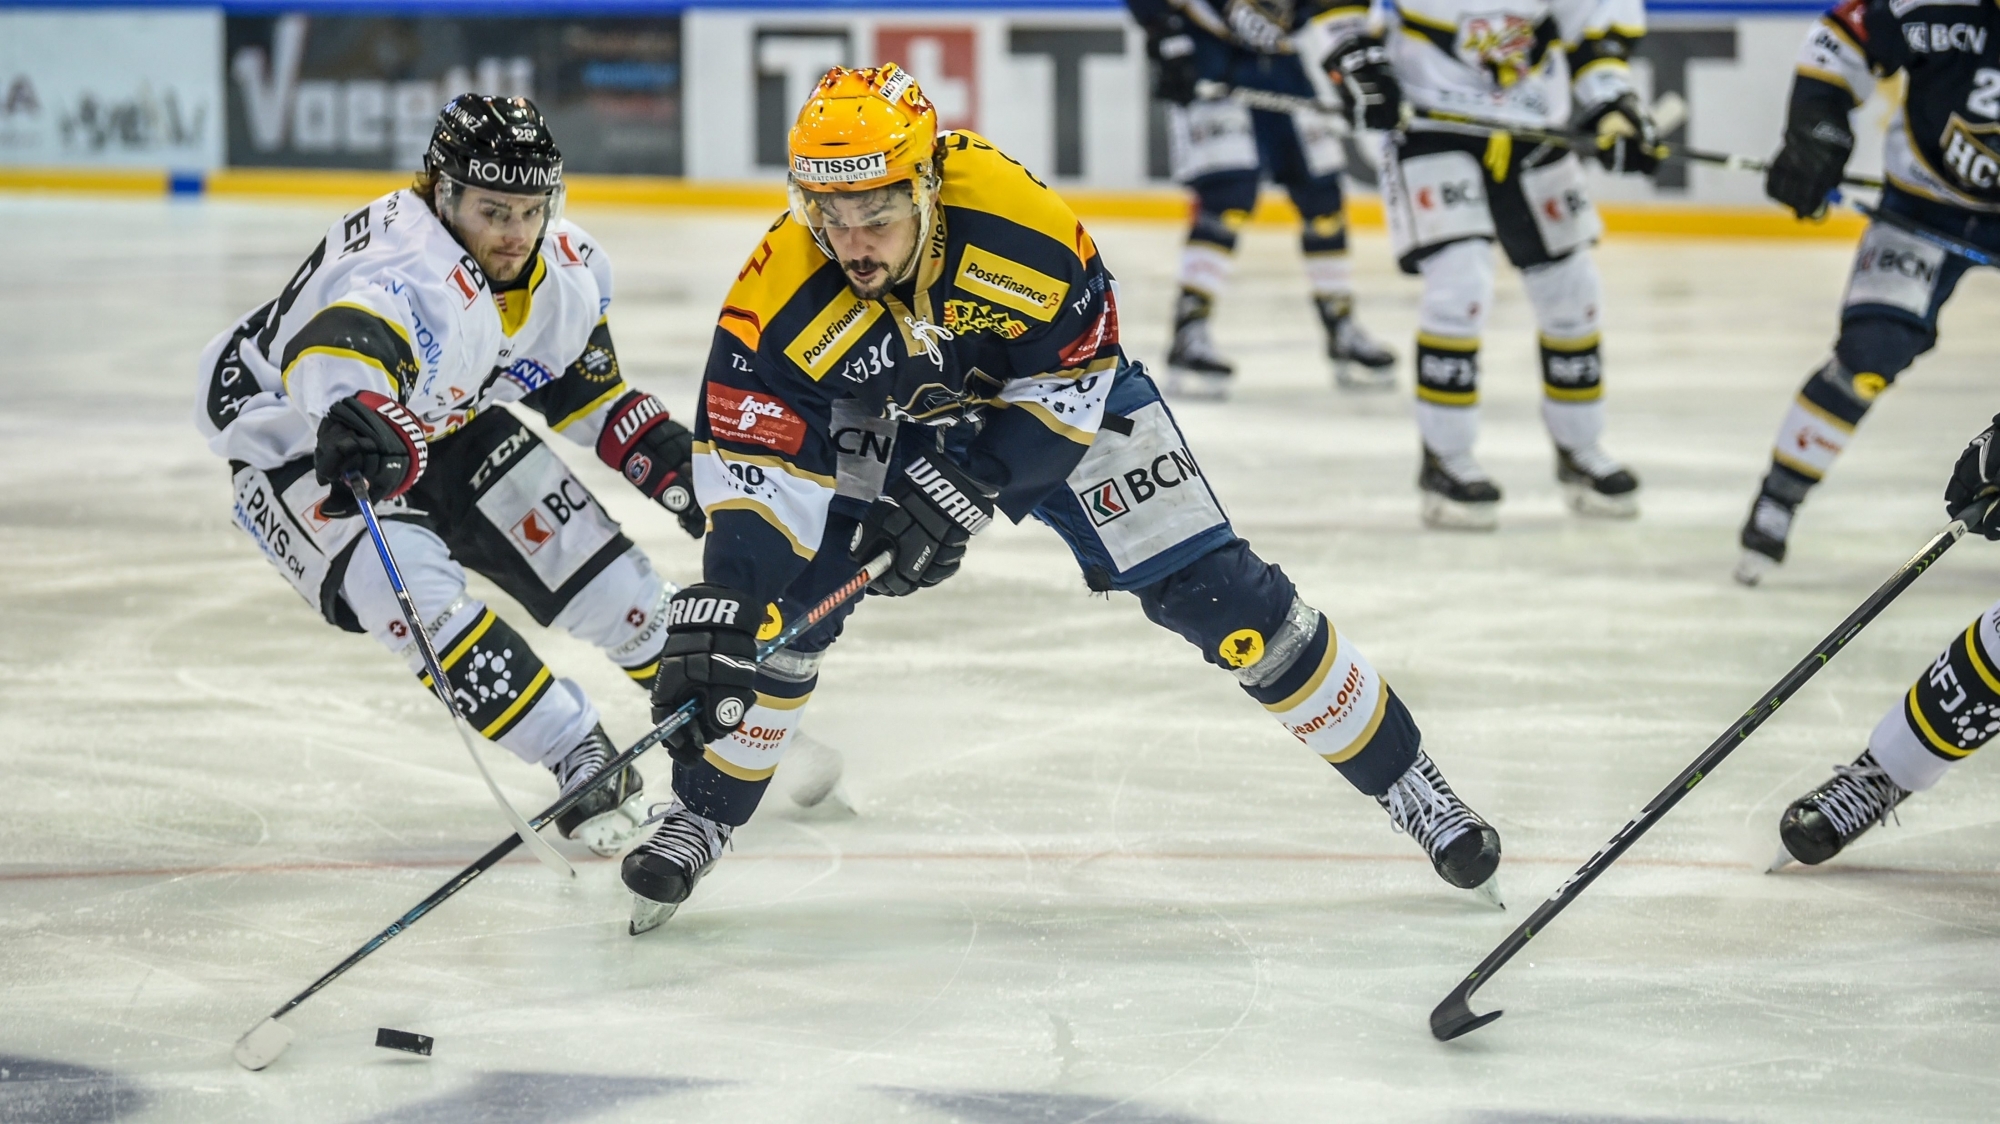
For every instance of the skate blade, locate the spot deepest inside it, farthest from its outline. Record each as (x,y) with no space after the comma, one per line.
(1489,891)
(648,915)
(262,1045)
(1752,566)
(1593,504)
(1196,386)
(1783,860)
(1349,375)
(606,835)
(1451,515)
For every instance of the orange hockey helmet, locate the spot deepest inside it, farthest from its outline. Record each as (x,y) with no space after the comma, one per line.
(864,131)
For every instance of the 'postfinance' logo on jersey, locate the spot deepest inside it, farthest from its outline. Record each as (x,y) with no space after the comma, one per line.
(1010,283)
(843,321)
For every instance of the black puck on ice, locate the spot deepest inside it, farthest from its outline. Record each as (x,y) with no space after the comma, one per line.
(403,1040)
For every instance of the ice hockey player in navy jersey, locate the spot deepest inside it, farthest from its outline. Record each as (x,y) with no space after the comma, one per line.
(1942,157)
(928,339)
(1205,62)
(393,351)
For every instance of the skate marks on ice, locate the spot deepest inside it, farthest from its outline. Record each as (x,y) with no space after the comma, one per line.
(1040,1108)
(509,1097)
(57,1093)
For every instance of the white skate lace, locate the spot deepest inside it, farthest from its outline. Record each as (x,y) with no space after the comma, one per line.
(927,334)
(1423,805)
(1859,795)
(1772,518)
(688,840)
(1461,467)
(1594,462)
(582,763)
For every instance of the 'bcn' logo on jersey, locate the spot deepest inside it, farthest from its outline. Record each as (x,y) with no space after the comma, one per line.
(840,169)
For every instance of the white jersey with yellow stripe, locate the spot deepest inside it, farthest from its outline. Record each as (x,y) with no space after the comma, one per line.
(390,302)
(1526,62)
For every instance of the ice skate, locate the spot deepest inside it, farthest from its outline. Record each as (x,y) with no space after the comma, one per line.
(1360,361)
(1195,369)
(606,819)
(1457,493)
(1463,848)
(1596,485)
(1763,538)
(1820,823)
(663,870)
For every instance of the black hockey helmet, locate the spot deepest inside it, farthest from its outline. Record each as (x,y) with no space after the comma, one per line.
(500,144)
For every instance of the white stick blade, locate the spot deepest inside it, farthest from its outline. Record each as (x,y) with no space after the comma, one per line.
(555,862)
(262,1045)
(1670,112)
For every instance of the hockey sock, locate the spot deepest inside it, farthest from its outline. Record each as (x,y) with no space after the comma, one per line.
(506,692)
(1950,711)
(1447,392)
(1209,257)
(1330,697)
(1817,428)
(1572,390)
(729,781)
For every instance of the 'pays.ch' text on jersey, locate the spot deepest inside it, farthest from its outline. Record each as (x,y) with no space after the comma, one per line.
(1006,337)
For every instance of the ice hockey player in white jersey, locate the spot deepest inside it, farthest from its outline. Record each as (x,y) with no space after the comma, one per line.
(1943,167)
(1951,710)
(1223,147)
(392,351)
(1533,64)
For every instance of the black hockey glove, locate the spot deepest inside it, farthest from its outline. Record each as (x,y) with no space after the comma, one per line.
(710,657)
(1174,69)
(655,453)
(1974,477)
(1817,145)
(374,435)
(1370,82)
(925,518)
(1627,139)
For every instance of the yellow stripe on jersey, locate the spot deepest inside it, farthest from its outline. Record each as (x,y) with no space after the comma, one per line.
(1312,683)
(777,268)
(979,177)
(842,322)
(1367,733)
(537,687)
(1916,712)
(1005,281)
(731,769)
(1978,661)
(515,303)
(596,404)
(645,674)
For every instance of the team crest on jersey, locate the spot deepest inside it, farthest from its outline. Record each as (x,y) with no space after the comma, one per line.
(1969,153)
(1241,648)
(971,316)
(1500,41)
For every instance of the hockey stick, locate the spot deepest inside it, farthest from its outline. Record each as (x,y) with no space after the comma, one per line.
(1454,1016)
(1937,238)
(358,484)
(1271,101)
(262,1044)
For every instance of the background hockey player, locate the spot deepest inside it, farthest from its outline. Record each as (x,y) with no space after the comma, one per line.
(929,337)
(1222,149)
(391,352)
(1943,172)
(1951,710)
(1533,64)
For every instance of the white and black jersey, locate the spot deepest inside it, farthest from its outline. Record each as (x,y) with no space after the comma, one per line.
(1532,63)
(390,302)
(1945,144)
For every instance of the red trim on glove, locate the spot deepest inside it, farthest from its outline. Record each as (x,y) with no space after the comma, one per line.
(631,418)
(409,429)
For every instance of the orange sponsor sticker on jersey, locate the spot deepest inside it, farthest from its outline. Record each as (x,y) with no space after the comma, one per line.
(747,417)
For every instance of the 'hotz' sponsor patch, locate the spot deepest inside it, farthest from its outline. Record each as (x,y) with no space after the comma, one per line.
(756,419)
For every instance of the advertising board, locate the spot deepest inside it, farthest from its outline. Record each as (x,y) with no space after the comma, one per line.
(111,87)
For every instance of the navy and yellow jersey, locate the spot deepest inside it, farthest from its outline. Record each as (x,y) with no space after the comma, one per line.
(1000,349)
(1945,144)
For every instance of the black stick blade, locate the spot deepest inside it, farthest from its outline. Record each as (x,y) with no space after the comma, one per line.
(1454,1016)
(403,1040)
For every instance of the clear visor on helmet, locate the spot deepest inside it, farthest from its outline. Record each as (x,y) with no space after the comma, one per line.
(477,212)
(847,210)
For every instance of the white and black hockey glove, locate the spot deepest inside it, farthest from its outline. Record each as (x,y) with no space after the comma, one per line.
(1818,142)
(710,657)
(1627,139)
(925,518)
(1370,83)
(655,453)
(374,435)
(1976,476)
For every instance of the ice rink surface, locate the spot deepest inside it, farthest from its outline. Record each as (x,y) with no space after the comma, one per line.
(1089,880)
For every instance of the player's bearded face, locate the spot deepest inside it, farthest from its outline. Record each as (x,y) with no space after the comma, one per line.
(873,235)
(500,230)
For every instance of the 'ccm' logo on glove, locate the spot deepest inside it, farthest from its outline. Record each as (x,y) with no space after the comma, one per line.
(947,497)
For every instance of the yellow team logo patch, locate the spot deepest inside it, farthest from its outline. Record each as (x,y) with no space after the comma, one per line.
(1241,648)
(972,316)
(1868,385)
(774,623)
(842,323)
(1010,283)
